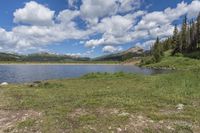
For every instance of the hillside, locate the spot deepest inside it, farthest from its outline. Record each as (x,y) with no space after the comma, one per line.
(9,57)
(122,56)
(134,52)
(39,57)
(179,61)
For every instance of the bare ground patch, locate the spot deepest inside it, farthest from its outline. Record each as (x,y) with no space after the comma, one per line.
(10,119)
(136,122)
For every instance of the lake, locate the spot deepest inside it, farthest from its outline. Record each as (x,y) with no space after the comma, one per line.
(28,73)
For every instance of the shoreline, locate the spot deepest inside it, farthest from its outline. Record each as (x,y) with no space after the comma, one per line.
(35,63)
(60,64)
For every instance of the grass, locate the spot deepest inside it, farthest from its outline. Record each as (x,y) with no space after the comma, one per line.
(176,62)
(102,102)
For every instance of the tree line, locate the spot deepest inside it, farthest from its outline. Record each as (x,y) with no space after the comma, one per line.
(184,41)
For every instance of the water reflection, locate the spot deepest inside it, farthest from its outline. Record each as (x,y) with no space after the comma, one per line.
(30,73)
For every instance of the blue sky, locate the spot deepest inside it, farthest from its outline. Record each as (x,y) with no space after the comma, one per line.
(88,27)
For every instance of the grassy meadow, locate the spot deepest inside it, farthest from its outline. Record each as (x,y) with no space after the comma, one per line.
(102,102)
(178,62)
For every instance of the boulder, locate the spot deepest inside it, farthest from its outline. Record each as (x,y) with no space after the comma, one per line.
(4,84)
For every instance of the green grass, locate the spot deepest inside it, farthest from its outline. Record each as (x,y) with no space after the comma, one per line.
(176,62)
(105,102)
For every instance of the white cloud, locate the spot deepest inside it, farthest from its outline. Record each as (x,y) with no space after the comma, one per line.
(72,3)
(34,14)
(94,42)
(193,9)
(39,26)
(122,29)
(111,49)
(146,45)
(66,16)
(94,10)
(115,25)
(129,5)
(115,29)
(85,54)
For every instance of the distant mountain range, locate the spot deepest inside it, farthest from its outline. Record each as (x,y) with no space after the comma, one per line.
(49,57)
(40,57)
(133,52)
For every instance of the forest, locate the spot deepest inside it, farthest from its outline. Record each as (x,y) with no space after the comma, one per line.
(185,41)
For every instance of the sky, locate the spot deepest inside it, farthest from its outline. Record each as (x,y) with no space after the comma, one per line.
(88,27)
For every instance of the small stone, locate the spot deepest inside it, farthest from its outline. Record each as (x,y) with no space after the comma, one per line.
(151,121)
(140,117)
(124,114)
(4,84)
(180,107)
(119,129)
(170,128)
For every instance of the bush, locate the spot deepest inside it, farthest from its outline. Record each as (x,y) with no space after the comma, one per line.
(195,55)
(178,54)
(147,60)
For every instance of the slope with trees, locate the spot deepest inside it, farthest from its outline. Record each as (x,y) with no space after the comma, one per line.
(185,42)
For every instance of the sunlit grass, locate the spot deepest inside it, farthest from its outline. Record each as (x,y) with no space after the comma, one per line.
(90,103)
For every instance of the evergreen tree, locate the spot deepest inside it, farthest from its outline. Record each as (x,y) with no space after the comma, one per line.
(193,42)
(184,44)
(198,31)
(188,37)
(187,40)
(157,50)
(175,38)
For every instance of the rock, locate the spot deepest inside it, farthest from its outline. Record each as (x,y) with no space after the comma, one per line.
(119,130)
(35,84)
(124,114)
(4,84)
(180,107)
(140,117)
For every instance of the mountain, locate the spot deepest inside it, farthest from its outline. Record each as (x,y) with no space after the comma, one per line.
(10,57)
(40,57)
(133,52)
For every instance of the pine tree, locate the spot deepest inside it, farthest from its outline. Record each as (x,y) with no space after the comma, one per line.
(184,44)
(188,37)
(198,31)
(157,50)
(167,44)
(175,37)
(193,42)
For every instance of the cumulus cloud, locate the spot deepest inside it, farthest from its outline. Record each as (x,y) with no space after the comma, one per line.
(93,10)
(111,49)
(116,21)
(129,5)
(115,29)
(119,29)
(66,16)
(34,14)
(146,45)
(72,3)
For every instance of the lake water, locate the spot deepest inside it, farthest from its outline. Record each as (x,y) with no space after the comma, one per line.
(29,73)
